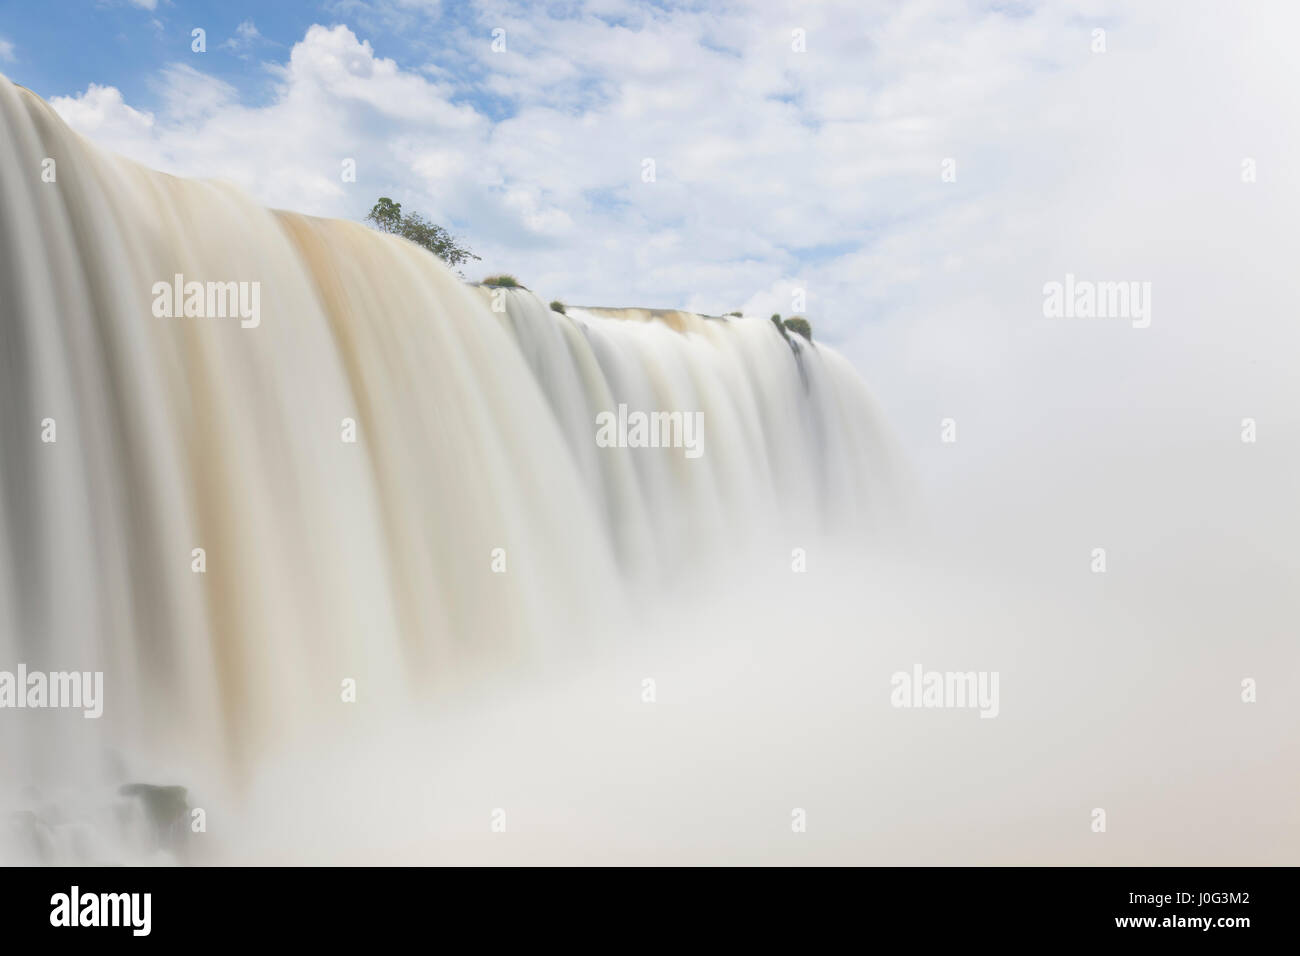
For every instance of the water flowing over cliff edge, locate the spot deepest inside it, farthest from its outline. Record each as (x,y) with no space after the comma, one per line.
(389,476)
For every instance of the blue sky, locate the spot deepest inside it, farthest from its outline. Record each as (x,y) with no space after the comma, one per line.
(142,51)
(118,42)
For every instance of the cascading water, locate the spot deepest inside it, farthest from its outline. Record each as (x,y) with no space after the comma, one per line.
(183,510)
(790,429)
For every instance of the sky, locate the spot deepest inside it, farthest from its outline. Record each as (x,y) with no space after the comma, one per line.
(780,159)
(916,171)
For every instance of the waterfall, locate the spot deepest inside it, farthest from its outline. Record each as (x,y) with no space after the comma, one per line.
(391,476)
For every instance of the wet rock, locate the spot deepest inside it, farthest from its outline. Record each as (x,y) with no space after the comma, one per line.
(165,810)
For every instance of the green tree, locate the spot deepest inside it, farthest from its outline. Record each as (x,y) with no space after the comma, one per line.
(386,216)
(797,323)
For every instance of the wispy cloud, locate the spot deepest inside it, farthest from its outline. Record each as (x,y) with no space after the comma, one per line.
(246,37)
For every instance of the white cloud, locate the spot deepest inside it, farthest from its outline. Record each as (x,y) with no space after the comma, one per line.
(101,114)
(6,50)
(246,37)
